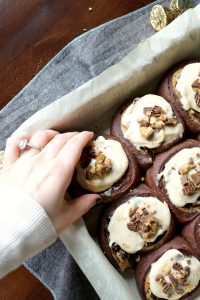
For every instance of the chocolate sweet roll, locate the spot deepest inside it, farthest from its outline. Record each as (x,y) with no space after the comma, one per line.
(181,87)
(175,177)
(191,232)
(106,167)
(170,272)
(137,223)
(148,125)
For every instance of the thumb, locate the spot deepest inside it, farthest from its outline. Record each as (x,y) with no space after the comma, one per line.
(76,208)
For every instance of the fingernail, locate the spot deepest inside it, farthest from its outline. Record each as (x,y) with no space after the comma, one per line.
(99,200)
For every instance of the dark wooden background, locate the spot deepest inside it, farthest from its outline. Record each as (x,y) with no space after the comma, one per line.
(31,33)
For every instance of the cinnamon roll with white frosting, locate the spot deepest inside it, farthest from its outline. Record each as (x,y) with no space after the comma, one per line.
(148,125)
(175,177)
(181,87)
(135,224)
(171,272)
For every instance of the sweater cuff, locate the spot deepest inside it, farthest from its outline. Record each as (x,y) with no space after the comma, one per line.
(25,228)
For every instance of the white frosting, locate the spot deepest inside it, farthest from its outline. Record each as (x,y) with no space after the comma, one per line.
(131,241)
(166,261)
(131,128)
(113,150)
(184,86)
(172,178)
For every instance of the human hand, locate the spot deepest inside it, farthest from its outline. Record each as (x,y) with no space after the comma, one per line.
(45,175)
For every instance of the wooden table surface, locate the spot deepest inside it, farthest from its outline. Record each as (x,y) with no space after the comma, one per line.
(31,33)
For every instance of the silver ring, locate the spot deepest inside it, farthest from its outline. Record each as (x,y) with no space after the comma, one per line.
(23,144)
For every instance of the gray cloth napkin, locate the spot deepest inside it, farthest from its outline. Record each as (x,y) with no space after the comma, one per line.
(78,62)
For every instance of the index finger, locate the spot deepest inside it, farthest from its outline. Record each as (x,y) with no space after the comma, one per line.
(71,152)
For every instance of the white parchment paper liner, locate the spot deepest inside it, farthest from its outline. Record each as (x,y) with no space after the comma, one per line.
(91,106)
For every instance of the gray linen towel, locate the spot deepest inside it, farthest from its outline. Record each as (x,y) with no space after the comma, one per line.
(81,60)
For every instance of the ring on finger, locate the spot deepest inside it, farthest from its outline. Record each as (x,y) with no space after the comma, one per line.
(24,144)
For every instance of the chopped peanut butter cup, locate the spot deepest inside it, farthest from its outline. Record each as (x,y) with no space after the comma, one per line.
(191,232)
(106,167)
(148,125)
(175,178)
(181,87)
(133,225)
(170,272)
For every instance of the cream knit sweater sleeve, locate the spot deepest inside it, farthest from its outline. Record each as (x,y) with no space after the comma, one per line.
(25,229)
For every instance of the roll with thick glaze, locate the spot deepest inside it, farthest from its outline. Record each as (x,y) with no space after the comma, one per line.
(135,224)
(148,125)
(175,177)
(181,87)
(171,272)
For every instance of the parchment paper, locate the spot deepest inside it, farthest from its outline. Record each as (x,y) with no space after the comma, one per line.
(91,107)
